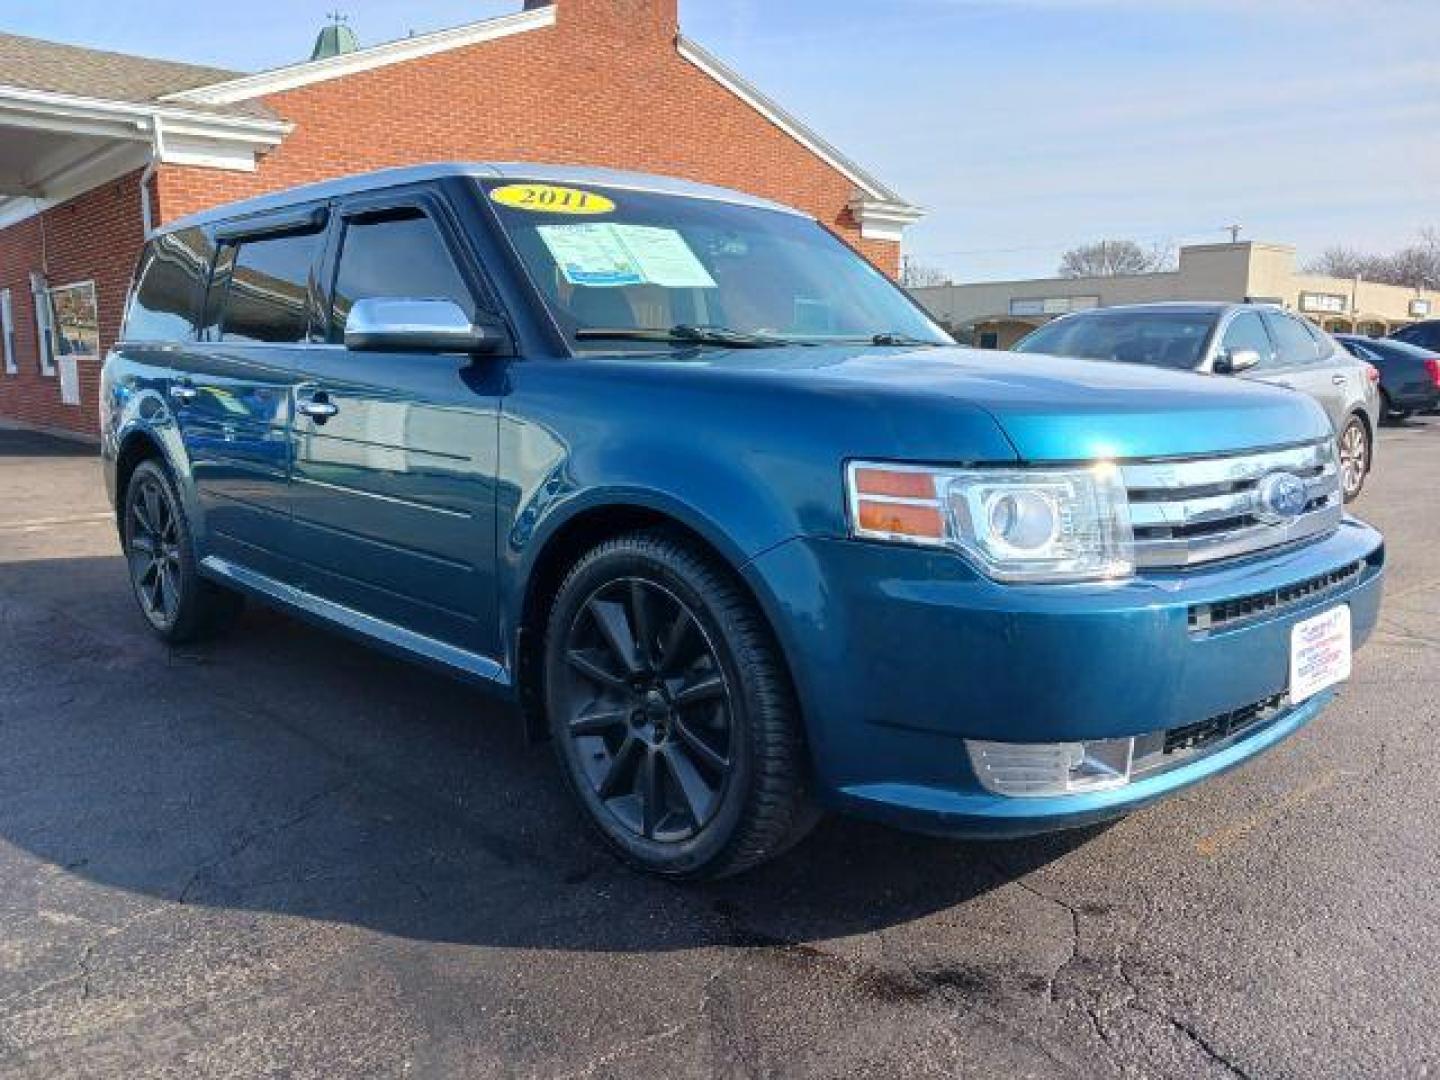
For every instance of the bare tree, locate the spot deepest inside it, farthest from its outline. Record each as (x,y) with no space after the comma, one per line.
(914,274)
(1412,266)
(1106,258)
(1340,262)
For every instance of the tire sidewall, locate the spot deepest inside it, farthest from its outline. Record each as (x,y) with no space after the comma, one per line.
(628,560)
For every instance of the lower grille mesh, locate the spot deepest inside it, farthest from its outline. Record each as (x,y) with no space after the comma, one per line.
(1198,736)
(1207,618)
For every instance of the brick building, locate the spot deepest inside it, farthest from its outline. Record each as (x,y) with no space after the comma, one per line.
(97,146)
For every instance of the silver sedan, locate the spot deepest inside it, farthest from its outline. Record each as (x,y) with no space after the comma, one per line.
(1250,341)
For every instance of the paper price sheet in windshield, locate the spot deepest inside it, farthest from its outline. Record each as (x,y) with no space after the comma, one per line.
(607,254)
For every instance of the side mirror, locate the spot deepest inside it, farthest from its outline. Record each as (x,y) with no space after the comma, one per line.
(1236,361)
(397,324)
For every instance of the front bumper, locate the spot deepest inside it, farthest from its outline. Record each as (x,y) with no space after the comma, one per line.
(899,654)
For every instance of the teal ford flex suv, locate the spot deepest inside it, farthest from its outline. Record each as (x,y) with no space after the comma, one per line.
(726,516)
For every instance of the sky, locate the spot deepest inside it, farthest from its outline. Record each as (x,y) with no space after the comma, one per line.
(1023,127)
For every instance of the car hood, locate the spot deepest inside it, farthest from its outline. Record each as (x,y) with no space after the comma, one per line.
(1051,408)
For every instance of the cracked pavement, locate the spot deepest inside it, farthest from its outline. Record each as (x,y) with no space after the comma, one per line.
(284,854)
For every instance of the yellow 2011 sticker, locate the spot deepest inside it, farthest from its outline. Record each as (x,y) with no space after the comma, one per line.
(549,199)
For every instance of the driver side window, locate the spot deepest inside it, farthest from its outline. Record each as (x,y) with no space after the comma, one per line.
(1246,331)
(396,254)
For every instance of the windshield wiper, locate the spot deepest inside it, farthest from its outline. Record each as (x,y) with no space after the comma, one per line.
(683,334)
(888,338)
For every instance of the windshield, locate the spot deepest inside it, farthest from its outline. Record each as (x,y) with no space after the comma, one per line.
(641,270)
(1172,339)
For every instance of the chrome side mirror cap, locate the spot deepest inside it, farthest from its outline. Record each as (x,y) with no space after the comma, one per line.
(401,324)
(1236,361)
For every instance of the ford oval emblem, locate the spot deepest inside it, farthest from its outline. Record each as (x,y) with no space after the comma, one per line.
(1281,498)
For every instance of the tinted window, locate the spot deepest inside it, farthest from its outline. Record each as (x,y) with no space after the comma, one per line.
(1293,343)
(1246,331)
(268,297)
(172,271)
(1423,334)
(1172,339)
(395,256)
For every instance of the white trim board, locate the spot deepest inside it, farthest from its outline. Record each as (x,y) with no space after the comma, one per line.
(877,193)
(391,52)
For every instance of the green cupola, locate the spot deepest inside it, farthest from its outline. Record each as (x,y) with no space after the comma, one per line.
(334,39)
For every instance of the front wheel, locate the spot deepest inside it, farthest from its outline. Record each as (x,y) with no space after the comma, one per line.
(1354,457)
(671,712)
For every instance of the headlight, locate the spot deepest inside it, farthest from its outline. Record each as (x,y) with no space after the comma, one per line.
(1015,524)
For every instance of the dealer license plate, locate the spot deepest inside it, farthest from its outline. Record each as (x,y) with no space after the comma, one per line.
(1319,653)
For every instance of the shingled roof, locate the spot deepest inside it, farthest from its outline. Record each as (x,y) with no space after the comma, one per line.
(34,64)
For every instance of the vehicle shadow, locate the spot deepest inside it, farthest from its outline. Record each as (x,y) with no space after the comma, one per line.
(17,442)
(284,769)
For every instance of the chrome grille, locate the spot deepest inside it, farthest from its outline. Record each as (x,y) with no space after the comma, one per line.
(1199,510)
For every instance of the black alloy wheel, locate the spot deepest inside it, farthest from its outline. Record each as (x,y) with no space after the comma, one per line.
(178,604)
(649,710)
(154,550)
(672,716)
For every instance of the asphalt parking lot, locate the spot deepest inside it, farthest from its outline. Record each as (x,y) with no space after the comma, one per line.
(283,854)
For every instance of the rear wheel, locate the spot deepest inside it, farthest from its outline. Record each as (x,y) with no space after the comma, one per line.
(1389,413)
(671,714)
(176,601)
(1354,457)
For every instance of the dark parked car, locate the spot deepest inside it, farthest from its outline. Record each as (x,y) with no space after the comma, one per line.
(1250,341)
(1409,375)
(1424,334)
(725,514)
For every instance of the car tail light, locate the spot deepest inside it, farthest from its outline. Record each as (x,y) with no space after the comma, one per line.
(1432,365)
(1372,372)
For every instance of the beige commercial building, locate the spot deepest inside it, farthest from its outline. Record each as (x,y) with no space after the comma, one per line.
(996,314)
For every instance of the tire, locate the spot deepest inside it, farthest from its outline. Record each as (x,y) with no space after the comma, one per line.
(179,604)
(1355,457)
(1389,414)
(670,711)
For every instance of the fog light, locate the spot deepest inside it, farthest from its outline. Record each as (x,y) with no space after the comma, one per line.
(1040,769)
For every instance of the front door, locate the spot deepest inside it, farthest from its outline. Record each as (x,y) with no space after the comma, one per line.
(393,499)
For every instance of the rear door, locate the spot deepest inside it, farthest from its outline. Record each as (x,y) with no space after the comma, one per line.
(232,402)
(1298,366)
(393,497)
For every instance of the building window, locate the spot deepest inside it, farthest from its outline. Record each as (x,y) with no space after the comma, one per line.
(7,331)
(44,341)
(75,321)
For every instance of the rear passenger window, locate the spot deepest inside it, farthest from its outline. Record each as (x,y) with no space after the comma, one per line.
(1293,342)
(268,299)
(1323,341)
(398,255)
(167,289)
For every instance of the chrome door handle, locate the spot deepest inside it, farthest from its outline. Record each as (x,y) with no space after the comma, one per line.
(183,393)
(319,409)
(1339,380)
